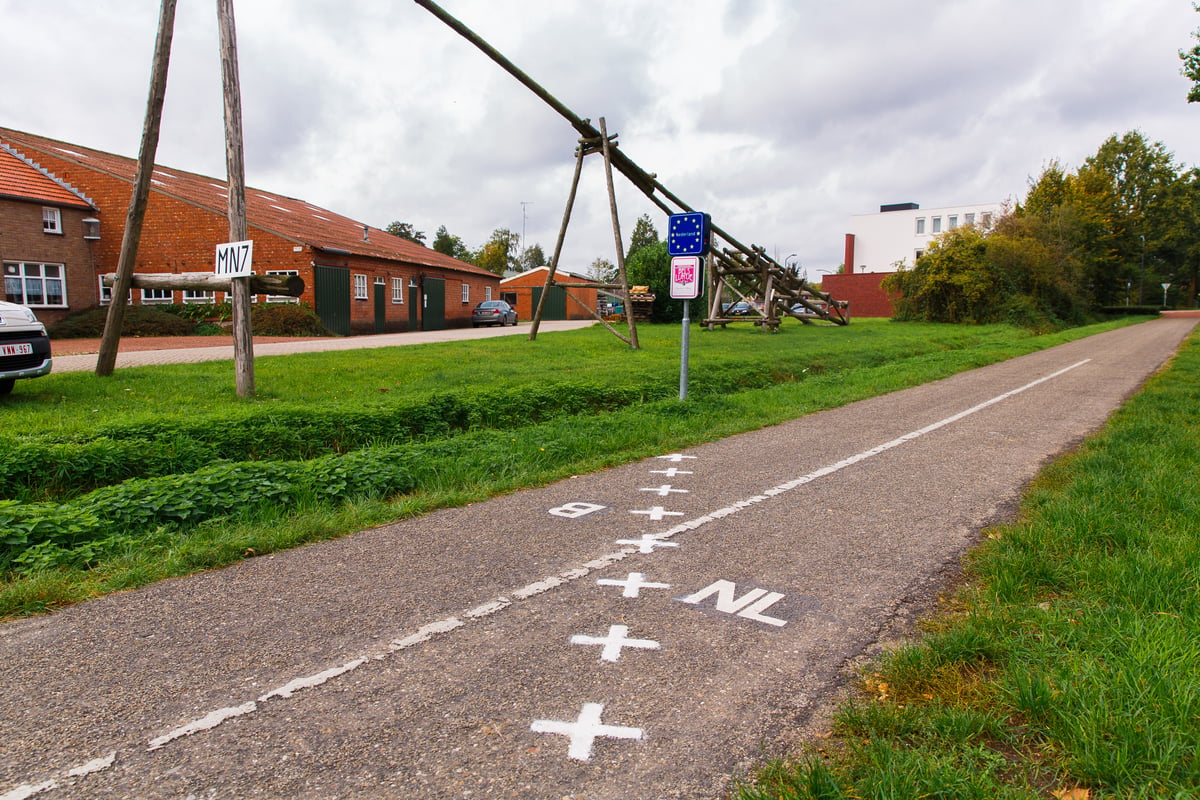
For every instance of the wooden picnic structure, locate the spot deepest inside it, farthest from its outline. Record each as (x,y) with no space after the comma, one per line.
(733,268)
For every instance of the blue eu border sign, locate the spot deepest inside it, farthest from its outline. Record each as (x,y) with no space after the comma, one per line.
(687,234)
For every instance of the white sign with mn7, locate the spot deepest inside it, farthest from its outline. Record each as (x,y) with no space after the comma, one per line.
(234,259)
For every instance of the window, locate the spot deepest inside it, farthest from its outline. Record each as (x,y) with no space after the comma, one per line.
(200,296)
(360,287)
(281,298)
(35,284)
(937,224)
(106,294)
(51,221)
(398,291)
(466,293)
(920,226)
(968,219)
(986,218)
(952,221)
(917,255)
(157,296)
(487,293)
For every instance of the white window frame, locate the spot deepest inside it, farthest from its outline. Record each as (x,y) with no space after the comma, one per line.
(968,219)
(52,220)
(920,231)
(106,293)
(466,292)
(157,297)
(487,293)
(360,287)
(397,291)
(199,296)
(986,219)
(281,298)
(936,226)
(22,272)
(952,222)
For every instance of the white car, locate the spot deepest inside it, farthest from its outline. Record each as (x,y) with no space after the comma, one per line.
(24,346)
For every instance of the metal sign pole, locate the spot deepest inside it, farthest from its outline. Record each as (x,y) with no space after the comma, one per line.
(684,351)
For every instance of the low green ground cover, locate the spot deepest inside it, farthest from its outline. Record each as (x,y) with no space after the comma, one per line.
(154,472)
(1069,664)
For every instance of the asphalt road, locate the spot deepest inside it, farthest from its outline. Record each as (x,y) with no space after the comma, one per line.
(643,632)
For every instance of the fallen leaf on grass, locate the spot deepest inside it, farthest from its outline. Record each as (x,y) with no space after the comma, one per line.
(1072,794)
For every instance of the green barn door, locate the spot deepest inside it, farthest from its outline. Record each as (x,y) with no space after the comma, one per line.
(380,308)
(332,295)
(556,302)
(433,304)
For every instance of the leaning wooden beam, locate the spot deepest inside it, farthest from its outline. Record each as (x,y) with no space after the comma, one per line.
(106,360)
(286,285)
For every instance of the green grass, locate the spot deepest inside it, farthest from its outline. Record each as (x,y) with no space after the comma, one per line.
(742,379)
(1069,660)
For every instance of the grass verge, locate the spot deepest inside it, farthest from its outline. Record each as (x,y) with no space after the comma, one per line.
(1068,665)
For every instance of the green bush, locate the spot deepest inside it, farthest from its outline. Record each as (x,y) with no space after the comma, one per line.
(39,535)
(138,321)
(286,319)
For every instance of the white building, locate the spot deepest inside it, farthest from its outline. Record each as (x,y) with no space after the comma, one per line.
(901,232)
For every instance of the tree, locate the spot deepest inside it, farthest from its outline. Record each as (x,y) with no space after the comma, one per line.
(405,230)
(496,255)
(533,257)
(445,243)
(602,271)
(1191,66)
(644,234)
(651,266)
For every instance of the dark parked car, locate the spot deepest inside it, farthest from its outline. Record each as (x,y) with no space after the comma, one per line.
(493,312)
(24,346)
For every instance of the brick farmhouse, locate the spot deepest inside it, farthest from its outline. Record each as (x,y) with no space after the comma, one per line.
(62,219)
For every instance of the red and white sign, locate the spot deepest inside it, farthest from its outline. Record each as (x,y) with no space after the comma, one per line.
(23,349)
(685,277)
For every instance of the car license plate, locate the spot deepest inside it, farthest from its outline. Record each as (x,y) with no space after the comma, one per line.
(23,349)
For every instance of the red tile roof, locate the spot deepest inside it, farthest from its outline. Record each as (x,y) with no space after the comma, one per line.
(283,216)
(21,180)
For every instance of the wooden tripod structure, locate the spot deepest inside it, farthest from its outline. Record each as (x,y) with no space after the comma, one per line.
(745,271)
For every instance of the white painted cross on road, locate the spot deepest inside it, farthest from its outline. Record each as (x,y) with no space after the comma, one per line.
(665,490)
(633,584)
(657,513)
(583,731)
(614,642)
(670,472)
(647,543)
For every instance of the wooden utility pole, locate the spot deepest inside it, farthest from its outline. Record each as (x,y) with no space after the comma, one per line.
(111,339)
(243,339)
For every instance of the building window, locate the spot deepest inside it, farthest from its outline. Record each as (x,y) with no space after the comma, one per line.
(35,284)
(466,293)
(952,221)
(360,287)
(968,219)
(487,293)
(51,221)
(281,298)
(937,224)
(920,226)
(157,296)
(917,255)
(199,296)
(398,291)
(106,294)
(986,218)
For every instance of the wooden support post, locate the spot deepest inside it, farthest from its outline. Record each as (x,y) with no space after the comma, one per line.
(622,277)
(558,245)
(106,361)
(243,336)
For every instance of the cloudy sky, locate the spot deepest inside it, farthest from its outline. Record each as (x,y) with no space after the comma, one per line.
(782,118)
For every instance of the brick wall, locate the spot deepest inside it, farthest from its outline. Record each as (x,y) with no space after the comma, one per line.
(22,239)
(867,298)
